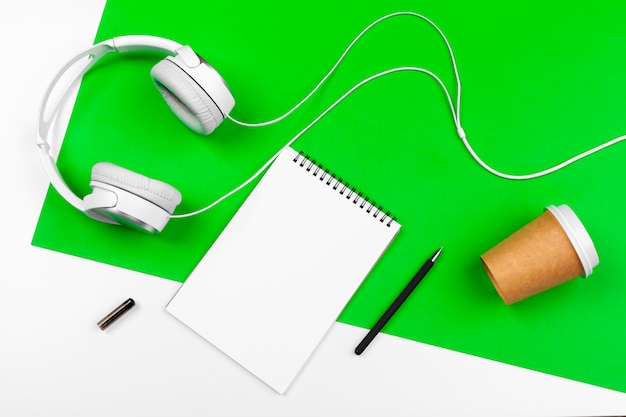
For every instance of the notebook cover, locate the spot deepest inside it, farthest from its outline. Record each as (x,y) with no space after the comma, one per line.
(284,267)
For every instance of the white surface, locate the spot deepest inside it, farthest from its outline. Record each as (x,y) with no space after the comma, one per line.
(273,282)
(55,361)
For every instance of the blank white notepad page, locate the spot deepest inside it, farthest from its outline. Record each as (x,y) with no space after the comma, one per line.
(283,269)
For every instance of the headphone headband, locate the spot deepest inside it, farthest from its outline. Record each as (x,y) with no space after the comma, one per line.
(120,44)
(143,43)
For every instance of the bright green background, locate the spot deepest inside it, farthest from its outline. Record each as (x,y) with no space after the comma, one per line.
(541,83)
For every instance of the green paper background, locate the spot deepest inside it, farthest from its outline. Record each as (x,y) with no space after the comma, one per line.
(541,82)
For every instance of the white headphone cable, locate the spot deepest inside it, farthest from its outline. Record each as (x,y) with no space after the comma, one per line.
(537,174)
(455,111)
(343,55)
(312,123)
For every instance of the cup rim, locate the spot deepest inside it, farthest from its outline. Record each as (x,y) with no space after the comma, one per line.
(578,235)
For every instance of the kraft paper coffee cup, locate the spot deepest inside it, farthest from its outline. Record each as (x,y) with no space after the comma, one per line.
(552,249)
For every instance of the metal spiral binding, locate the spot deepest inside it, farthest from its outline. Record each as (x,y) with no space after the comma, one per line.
(343,188)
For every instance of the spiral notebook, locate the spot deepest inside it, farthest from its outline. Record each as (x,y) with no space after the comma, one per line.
(283,269)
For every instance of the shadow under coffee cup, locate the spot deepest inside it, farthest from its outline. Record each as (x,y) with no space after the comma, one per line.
(552,249)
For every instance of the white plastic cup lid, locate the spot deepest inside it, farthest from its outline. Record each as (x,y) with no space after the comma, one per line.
(577,235)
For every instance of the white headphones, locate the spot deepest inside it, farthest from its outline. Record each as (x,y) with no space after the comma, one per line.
(200,98)
(195,92)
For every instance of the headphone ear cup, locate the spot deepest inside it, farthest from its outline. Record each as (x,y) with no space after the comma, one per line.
(121,196)
(193,89)
(187,99)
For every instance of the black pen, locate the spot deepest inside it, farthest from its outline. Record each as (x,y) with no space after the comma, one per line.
(396,304)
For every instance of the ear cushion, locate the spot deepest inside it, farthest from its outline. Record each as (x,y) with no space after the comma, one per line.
(187,99)
(157,192)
